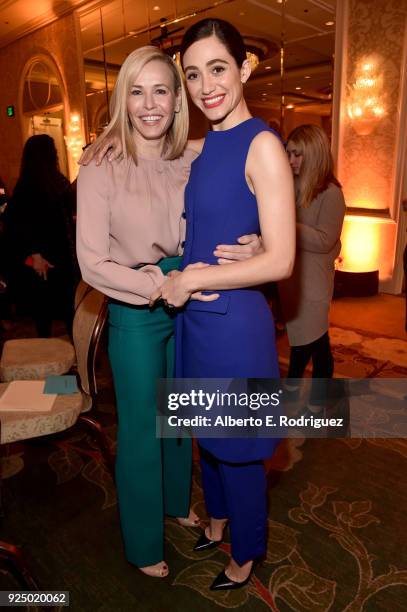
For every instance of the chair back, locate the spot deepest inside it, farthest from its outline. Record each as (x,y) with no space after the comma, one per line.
(81,290)
(90,318)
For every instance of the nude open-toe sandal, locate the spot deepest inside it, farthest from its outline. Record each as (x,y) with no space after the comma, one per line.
(192,520)
(159,570)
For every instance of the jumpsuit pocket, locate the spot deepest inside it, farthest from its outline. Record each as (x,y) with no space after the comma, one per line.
(219,306)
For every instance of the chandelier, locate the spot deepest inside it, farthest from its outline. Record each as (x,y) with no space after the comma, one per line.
(366,104)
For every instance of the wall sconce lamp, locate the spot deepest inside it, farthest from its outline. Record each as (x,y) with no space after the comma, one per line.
(366,104)
(73,139)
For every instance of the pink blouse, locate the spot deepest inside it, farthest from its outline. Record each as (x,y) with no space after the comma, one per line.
(130,216)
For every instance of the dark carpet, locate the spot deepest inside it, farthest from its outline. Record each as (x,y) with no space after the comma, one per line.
(337,528)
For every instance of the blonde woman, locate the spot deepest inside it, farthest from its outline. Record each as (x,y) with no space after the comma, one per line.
(306,296)
(129,237)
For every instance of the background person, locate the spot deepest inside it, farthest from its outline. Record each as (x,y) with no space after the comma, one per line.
(40,237)
(306,296)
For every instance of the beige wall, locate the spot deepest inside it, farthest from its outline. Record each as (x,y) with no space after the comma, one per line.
(60,42)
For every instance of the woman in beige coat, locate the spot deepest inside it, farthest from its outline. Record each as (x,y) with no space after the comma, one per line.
(306,296)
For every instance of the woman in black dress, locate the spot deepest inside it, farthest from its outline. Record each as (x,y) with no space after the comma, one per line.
(40,236)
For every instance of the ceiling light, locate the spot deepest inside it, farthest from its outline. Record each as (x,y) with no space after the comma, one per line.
(267,68)
(269,84)
(329,23)
(156,8)
(298,88)
(307,77)
(290,106)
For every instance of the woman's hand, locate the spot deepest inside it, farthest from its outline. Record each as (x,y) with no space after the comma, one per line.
(41,265)
(249,246)
(175,293)
(198,295)
(111,146)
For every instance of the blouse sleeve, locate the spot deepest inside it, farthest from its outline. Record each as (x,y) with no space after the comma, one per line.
(188,156)
(93,228)
(321,238)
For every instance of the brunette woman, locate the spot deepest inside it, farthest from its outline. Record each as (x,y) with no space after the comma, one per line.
(240,183)
(40,236)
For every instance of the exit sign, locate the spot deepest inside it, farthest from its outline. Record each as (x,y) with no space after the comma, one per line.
(10,111)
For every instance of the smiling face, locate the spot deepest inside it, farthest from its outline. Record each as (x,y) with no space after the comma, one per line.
(152,101)
(214,81)
(295,157)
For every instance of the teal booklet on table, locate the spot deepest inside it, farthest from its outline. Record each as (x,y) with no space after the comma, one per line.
(61,385)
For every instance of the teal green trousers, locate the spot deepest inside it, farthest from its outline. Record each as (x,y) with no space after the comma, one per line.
(153,475)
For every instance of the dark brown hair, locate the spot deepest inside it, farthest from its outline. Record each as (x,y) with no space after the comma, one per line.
(39,165)
(228,35)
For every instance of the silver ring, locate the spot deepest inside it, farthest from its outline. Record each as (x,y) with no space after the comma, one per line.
(170,305)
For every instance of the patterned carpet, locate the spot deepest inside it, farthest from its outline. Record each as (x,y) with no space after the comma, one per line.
(360,354)
(337,529)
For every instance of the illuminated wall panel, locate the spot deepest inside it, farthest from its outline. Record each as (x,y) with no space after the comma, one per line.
(368,244)
(368,120)
(375,38)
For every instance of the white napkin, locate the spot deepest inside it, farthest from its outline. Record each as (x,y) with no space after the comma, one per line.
(26,396)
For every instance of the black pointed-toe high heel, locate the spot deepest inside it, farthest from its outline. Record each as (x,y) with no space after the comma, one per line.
(204,543)
(223,583)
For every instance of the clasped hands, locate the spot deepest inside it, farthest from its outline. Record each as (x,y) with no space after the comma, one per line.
(177,289)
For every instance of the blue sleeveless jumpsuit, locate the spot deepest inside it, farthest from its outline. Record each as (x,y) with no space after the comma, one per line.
(231,337)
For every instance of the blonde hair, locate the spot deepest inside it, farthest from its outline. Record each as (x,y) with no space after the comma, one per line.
(120,123)
(316,172)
